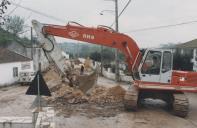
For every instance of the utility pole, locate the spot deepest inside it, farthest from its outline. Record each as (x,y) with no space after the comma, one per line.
(101,60)
(32,49)
(116,50)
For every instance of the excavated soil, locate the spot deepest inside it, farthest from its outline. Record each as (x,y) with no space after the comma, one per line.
(102,95)
(51,74)
(101,101)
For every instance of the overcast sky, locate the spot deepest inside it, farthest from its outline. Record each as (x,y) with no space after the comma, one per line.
(139,14)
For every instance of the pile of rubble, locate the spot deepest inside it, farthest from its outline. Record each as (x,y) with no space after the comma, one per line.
(99,95)
(103,95)
(66,94)
(51,75)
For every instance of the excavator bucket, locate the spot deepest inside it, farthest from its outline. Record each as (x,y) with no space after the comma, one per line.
(86,82)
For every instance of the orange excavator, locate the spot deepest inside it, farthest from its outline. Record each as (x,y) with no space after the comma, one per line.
(152,73)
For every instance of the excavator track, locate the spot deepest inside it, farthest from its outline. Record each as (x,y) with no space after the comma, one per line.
(180,105)
(131,98)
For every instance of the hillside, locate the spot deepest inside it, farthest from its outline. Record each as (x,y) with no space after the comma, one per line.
(88,50)
(81,49)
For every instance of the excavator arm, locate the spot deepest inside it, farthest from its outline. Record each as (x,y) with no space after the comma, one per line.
(101,35)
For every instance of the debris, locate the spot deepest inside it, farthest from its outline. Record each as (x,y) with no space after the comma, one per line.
(99,95)
(102,95)
(100,101)
(51,74)
(66,94)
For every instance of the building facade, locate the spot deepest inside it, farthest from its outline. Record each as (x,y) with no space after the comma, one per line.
(11,64)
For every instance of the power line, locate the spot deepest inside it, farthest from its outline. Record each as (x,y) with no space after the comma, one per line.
(125,7)
(122,11)
(14,9)
(30,14)
(38,12)
(162,26)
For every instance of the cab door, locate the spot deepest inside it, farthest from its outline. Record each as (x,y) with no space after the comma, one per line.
(166,71)
(151,66)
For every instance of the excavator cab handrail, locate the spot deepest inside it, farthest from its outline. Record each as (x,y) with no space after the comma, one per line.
(106,27)
(73,22)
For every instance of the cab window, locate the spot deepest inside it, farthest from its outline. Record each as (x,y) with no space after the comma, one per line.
(167,62)
(152,63)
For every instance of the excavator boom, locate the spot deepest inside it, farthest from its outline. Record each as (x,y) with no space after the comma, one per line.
(101,35)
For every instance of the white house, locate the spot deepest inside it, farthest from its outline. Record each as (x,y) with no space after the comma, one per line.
(11,64)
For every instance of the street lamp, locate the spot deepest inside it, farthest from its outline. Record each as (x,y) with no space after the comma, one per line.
(110,11)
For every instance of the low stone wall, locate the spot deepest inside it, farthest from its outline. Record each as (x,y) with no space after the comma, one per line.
(16,122)
(108,74)
(45,118)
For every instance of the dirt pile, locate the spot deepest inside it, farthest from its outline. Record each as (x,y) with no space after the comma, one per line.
(102,95)
(65,94)
(51,74)
(102,101)
(99,95)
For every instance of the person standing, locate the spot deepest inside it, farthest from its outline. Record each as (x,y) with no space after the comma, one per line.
(82,69)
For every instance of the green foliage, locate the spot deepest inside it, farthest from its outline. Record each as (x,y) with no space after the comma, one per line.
(96,56)
(6,38)
(182,62)
(93,51)
(108,55)
(14,25)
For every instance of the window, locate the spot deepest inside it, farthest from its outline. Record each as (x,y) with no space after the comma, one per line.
(25,65)
(15,71)
(152,63)
(167,62)
(195,54)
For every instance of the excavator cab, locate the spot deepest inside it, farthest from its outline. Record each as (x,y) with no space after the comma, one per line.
(156,66)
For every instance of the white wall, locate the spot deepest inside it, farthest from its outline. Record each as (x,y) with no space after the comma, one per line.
(108,74)
(6,72)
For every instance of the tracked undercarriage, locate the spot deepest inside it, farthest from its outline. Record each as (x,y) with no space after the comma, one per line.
(177,102)
(180,105)
(131,98)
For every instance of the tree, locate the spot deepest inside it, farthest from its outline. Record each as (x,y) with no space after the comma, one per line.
(96,56)
(108,55)
(182,61)
(14,25)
